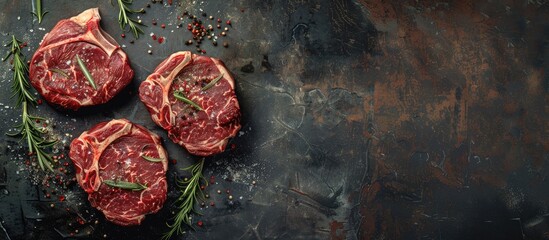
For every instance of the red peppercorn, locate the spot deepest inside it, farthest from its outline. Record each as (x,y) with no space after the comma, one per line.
(62,198)
(212,204)
(163,25)
(39,101)
(153,37)
(200,223)
(219,20)
(123,35)
(160,39)
(228,22)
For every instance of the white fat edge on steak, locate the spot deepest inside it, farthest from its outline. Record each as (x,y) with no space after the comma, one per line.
(99,146)
(165,84)
(98,38)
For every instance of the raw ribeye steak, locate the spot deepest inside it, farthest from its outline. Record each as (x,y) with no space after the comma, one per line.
(193,98)
(59,77)
(122,166)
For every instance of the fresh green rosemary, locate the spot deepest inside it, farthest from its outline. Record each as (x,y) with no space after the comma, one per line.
(151,159)
(86,72)
(28,129)
(191,193)
(212,83)
(125,185)
(179,96)
(60,72)
(38,10)
(20,85)
(124,19)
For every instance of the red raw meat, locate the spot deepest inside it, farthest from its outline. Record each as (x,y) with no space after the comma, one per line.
(114,151)
(54,70)
(202,132)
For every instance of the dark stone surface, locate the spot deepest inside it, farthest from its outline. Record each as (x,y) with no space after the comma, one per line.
(364,119)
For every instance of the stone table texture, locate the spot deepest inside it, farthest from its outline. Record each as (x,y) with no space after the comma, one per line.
(364,119)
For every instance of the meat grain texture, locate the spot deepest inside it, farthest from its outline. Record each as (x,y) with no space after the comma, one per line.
(56,75)
(114,151)
(202,132)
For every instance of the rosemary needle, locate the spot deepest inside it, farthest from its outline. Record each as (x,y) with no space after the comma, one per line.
(212,83)
(38,11)
(87,73)
(125,185)
(179,96)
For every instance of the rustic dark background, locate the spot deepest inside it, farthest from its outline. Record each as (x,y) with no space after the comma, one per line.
(364,119)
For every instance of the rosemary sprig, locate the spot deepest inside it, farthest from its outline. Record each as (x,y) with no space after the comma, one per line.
(59,71)
(149,158)
(179,96)
(19,86)
(134,186)
(28,129)
(124,19)
(38,10)
(190,194)
(87,73)
(212,83)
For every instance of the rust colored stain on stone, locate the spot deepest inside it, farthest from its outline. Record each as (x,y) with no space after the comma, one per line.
(337,231)
(459,104)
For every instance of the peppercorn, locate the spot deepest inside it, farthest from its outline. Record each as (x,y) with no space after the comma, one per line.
(198,50)
(225,44)
(226,29)
(149,51)
(163,25)
(223,34)
(189,42)
(204,14)
(211,17)
(153,22)
(123,35)
(218,191)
